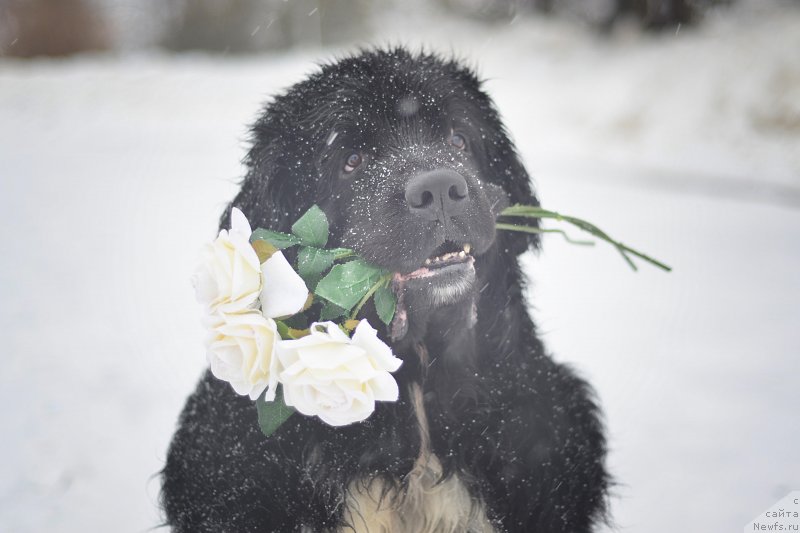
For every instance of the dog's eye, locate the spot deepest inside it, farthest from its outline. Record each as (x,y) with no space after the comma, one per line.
(458,141)
(353,161)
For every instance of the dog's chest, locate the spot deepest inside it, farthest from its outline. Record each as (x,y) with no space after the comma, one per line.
(425,504)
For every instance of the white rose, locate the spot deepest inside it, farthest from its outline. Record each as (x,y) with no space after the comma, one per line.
(229,276)
(241,350)
(329,375)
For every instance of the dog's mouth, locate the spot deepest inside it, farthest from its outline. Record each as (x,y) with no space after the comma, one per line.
(448,259)
(447,263)
(446,277)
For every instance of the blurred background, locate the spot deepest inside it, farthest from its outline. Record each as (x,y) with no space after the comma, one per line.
(672,124)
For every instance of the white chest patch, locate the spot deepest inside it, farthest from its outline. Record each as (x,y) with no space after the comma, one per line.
(427,505)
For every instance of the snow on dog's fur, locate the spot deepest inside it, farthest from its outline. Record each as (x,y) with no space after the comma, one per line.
(409,160)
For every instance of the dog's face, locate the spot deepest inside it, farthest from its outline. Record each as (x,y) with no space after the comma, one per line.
(408,159)
(403,183)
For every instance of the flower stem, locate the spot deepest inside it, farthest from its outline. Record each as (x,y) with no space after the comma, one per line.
(342,253)
(378,284)
(531,229)
(528,211)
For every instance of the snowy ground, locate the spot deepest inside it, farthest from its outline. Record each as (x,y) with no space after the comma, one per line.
(113,172)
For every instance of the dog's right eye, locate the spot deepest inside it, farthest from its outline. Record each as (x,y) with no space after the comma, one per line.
(353,161)
(458,141)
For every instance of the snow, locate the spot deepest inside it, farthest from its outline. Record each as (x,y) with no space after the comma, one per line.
(113,171)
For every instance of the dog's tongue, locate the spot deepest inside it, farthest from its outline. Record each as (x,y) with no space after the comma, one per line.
(421,272)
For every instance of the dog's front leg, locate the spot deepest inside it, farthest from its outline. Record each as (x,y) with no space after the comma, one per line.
(546,471)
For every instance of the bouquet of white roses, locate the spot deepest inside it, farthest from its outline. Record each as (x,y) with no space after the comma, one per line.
(252,299)
(249,290)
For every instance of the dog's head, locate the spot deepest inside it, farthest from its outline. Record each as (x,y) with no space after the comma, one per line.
(407,157)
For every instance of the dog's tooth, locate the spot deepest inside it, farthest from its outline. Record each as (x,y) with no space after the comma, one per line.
(462,253)
(467,248)
(427,261)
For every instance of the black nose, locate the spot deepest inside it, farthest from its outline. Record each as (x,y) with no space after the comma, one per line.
(437,194)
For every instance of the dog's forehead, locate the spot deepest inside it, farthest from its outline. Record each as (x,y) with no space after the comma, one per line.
(382,116)
(407,105)
(405,99)
(393,99)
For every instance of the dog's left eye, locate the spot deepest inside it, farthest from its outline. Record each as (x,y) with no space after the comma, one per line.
(458,141)
(353,161)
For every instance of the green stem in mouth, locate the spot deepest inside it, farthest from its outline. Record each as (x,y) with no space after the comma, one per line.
(528,211)
(531,229)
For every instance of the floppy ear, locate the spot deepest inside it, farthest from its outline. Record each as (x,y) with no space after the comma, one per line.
(276,190)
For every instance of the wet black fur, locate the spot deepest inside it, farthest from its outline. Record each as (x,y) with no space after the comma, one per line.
(520,429)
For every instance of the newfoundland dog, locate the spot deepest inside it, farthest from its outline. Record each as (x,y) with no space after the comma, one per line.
(409,160)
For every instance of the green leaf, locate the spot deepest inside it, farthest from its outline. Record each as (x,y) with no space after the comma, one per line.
(347,283)
(312,228)
(283,329)
(331,311)
(385,304)
(312,262)
(272,414)
(275,238)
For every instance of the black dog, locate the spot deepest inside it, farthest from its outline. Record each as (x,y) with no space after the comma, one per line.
(409,160)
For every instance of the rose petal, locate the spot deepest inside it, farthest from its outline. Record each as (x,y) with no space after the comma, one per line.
(239,223)
(361,369)
(366,337)
(283,292)
(356,412)
(329,355)
(384,387)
